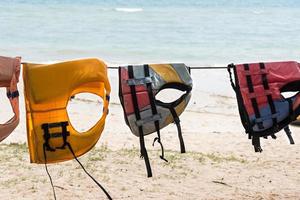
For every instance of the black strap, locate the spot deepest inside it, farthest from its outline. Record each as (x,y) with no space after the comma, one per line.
(47,137)
(64,134)
(269,96)
(253,100)
(291,114)
(255,139)
(291,110)
(144,153)
(13,94)
(177,122)
(230,76)
(256,144)
(289,134)
(154,112)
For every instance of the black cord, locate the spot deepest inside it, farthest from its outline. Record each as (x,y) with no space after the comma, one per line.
(50,178)
(108,196)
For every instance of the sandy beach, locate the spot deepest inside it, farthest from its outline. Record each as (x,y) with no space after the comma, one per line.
(220,162)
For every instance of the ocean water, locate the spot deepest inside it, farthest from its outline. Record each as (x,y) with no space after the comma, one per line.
(202,32)
(198,33)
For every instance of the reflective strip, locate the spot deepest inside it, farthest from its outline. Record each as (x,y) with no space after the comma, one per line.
(267,117)
(248,73)
(152,118)
(255,95)
(140,81)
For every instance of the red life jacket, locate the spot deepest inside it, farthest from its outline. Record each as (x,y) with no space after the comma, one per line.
(263,109)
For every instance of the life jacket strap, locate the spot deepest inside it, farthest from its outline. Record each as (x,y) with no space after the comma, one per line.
(46,146)
(64,134)
(47,135)
(155,114)
(13,94)
(161,146)
(256,144)
(177,122)
(269,94)
(229,67)
(289,134)
(144,153)
(253,100)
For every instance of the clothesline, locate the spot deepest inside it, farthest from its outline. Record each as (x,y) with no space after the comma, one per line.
(192,68)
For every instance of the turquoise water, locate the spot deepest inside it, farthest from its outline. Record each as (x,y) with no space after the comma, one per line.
(139,31)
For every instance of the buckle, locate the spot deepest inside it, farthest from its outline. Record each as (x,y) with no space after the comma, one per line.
(47,135)
(12,94)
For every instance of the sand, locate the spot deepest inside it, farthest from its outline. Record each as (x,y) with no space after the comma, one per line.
(220,162)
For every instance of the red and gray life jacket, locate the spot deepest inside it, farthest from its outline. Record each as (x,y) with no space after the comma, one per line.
(144,114)
(263,109)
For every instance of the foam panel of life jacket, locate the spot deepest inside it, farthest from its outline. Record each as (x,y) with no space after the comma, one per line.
(268,81)
(160,76)
(9,77)
(48,88)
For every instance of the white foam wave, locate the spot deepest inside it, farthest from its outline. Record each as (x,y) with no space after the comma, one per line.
(129,10)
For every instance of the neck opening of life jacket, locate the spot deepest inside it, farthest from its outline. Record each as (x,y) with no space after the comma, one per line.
(48,88)
(9,77)
(263,109)
(144,114)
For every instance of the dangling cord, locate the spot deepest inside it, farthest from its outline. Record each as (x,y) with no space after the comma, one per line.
(161,146)
(102,188)
(289,134)
(44,148)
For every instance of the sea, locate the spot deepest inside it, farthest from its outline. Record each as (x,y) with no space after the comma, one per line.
(194,32)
